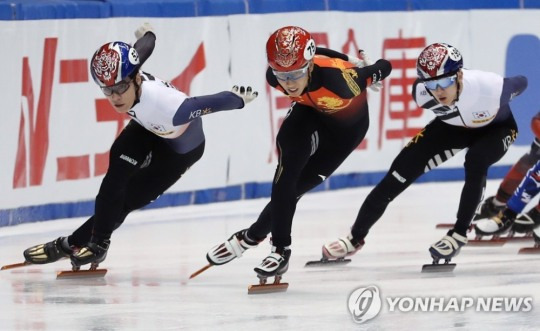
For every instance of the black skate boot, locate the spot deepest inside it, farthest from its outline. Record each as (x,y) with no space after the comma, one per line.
(94,252)
(488,209)
(527,222)
(496,225)
(49,252)
(225,252)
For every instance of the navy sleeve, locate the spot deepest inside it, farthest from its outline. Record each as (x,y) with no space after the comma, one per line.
(145,46)
(195,107)
(512,87)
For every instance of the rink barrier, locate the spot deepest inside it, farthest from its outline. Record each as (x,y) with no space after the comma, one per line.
(54,211)
(75,9)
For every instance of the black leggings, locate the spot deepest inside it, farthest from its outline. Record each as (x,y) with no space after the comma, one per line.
(310,149)
(435,144)
(141,167)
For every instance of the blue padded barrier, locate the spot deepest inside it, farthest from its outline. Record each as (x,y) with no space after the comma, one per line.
(369,5)
(463,4)
(282,6)
(52,9)
(531,3)
(221,7)
(61,9)
(152,8)
(7,11)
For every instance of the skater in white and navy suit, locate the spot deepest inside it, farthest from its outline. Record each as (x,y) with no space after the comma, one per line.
(161,142)
(472,112)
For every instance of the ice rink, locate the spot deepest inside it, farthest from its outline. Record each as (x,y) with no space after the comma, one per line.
(152,255)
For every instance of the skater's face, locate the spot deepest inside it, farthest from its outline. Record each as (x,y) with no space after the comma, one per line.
(122,95)
(294,82)
(445,90)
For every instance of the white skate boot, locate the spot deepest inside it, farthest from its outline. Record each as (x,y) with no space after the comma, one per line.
(341,248)
(234,247)
(337,251)
(446,248)
(274,265)
(496,225)
(277,263)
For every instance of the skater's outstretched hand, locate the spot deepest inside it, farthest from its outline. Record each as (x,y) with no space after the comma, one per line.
(246,93)
(361,61)
(143,29)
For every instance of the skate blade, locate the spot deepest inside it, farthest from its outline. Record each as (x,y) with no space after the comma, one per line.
(444,267)
(268,288)
(70,274)
(326,262)
(486,242)
(196,273)
(444,226)
(529,250)
(519,238)
(15,265)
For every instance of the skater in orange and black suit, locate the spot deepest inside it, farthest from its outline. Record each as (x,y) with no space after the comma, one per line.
(327,120)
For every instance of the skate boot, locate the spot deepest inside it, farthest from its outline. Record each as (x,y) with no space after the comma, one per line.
(488,209)
(496,225)
(448,247)
(275,264)
(49,252)
(341,248)
(237,244)
(527,222)
(94,253)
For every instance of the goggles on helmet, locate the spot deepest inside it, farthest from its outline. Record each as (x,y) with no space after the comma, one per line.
(119,88)
(442,82)
(291,75)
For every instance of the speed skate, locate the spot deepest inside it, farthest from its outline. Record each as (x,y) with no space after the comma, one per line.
(536,248)
(435,266)
(265,287)
(498,240)
(76,272)
(530,250)
(327,262)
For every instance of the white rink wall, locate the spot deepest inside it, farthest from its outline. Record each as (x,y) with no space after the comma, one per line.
(56,128)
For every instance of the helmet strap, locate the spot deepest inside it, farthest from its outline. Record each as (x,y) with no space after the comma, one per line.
(137,87)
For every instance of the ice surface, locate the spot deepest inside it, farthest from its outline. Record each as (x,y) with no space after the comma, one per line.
(154,252)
